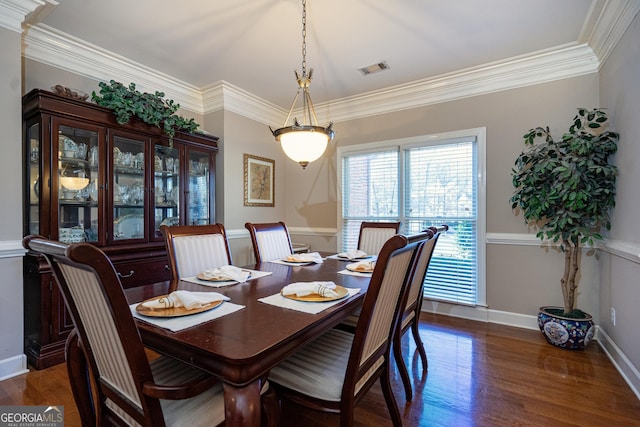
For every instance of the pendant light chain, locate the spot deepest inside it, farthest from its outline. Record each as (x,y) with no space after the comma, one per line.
(304,38)
(303,141)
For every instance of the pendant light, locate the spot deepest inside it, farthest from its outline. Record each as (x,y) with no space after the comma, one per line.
(303,141)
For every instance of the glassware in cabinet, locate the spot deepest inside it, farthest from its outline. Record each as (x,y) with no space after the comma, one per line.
(199,187)
(128,188)
(166,191)
(77,183)
(34,173)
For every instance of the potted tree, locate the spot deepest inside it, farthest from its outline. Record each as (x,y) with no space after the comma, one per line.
(565,189)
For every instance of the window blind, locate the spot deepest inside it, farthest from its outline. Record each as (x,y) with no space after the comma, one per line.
(421,185)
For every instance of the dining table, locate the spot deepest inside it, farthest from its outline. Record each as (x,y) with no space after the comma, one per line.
(242,346)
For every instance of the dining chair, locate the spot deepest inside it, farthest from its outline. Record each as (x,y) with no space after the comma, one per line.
(105,349)
(270,240)
(410,317)
(129,387)
(334,371)
(374,234)
(192,249)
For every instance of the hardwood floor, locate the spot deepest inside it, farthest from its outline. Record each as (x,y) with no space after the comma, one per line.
(479,375)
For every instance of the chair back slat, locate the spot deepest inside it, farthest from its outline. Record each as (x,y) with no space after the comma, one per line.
(273,245)
(197,253)
(382,316)
(380,313)
(104,340)
(192,249)
(415,289)
(373,235)
(270,241)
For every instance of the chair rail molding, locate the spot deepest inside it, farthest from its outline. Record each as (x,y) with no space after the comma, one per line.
(11,249)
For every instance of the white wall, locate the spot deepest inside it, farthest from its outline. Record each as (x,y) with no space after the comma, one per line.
(12,359)
(620,267)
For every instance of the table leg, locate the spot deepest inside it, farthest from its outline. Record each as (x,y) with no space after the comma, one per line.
(242,405)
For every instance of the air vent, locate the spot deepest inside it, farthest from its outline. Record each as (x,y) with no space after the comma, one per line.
(374,68)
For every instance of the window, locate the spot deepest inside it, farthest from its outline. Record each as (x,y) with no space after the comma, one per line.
(424,181)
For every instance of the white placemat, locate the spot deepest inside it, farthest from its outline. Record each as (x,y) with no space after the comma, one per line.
(255,274)
(183,322)
(304,306)
(355,273)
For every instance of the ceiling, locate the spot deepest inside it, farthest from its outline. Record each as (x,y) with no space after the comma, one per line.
(256,45)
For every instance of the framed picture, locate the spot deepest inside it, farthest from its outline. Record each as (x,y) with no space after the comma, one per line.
(259,176)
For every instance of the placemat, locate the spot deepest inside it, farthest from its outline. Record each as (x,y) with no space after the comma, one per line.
(179,323)
(306,307)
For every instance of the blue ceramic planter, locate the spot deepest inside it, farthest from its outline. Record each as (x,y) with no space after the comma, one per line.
(565,332)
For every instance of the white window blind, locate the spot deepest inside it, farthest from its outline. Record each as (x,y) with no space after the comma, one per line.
(421,184)
(369,191)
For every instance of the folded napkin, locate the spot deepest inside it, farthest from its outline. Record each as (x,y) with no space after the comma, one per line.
(301,289)
(354,254)
(229,272)
(188,300)
(306,257)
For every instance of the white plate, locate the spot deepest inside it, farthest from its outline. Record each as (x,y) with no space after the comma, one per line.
(362,267)
(129,226)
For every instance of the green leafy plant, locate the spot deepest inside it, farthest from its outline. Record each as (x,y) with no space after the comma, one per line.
(150,108)
(565,189)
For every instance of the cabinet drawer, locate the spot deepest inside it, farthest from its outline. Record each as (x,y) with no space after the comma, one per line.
(142,272)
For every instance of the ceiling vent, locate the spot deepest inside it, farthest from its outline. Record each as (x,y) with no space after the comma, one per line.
(374,68)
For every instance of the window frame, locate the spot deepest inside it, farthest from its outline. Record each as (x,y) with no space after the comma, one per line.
(425,140)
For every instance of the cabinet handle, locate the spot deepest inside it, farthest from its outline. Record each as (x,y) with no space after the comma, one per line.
(166,267)
(124,276)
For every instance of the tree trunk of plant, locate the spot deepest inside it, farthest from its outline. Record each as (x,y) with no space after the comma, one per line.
(568,282)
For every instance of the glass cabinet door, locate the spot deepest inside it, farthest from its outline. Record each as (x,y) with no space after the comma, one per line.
(166,191)
(199,193)
(33,179)
(77,184)
(128,188)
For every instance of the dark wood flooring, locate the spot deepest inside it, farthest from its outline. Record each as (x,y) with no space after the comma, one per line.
(479,375)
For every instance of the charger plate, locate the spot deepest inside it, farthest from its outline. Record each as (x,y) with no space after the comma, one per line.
(340,290)
(174,311)
(359,267)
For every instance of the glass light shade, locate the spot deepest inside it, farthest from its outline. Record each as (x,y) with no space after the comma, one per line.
(304,144)
(73,182)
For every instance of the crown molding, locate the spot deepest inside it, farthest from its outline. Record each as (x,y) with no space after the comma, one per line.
(52,47)
(224,95)
(545,66)
(605,24)
(14,12)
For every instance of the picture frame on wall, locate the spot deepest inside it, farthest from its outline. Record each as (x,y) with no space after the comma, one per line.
(259,181)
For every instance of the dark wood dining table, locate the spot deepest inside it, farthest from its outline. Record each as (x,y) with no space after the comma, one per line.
(243,346)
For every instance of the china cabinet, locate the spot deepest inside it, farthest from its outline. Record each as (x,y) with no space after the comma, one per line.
(89,179)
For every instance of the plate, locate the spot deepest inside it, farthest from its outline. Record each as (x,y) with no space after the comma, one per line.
(170,220)
(360,267)
(173,312)
(342,292)
(128,226)
(356,258)
(292,262)
(201,276)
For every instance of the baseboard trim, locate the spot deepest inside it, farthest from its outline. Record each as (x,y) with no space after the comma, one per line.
(13,366)
(620,361)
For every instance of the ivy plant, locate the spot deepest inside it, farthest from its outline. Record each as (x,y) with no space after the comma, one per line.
(565,189)
(154,109)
